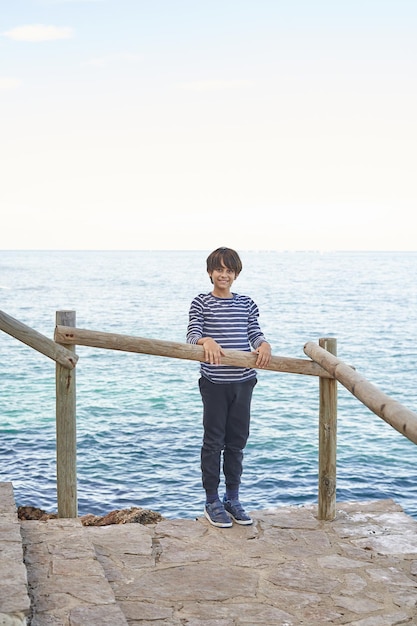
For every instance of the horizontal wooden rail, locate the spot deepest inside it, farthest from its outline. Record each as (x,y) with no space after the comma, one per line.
(127,343)
(394,413)
(37,341)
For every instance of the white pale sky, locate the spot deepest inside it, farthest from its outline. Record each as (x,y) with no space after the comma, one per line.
(189,124)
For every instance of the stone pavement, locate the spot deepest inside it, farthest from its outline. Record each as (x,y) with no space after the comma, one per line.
(14,598)
(287,569)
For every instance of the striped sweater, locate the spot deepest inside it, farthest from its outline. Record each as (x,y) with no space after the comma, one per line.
(233,323)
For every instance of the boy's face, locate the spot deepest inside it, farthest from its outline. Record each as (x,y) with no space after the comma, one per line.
(222,278)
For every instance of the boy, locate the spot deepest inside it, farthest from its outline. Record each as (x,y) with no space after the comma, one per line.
(217,320)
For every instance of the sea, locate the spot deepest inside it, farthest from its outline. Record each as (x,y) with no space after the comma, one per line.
(139,417)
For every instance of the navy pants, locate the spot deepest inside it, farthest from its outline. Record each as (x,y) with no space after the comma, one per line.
(226,417)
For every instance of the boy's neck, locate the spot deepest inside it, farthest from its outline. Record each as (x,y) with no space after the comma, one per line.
(227,294)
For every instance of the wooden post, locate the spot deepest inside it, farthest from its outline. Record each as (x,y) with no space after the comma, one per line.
(38,342)
(113,341)
(327,440)
(394,413)
(66,431)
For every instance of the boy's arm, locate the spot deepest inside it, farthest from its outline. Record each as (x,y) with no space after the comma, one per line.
(212,350)
(257,339)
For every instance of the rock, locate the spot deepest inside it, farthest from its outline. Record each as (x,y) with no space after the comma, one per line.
(33,513)
(134,515)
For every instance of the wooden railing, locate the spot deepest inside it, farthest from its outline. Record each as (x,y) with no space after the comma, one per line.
(323,363)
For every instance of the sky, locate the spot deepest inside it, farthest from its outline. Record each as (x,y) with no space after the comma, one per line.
(193,124)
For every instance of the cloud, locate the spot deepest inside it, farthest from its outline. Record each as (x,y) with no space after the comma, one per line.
(39,32)
(215,85)
(70,1)
(111,59)
(7,84)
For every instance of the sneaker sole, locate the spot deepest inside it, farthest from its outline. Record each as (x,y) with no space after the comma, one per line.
(242,522)
(218,524)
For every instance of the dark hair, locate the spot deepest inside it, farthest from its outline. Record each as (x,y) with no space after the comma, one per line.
(225,256)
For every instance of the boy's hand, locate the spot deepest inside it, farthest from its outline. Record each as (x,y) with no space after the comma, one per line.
(264,355)
(212,351)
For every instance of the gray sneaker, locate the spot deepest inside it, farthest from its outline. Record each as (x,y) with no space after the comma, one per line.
(216,515)
(237,512)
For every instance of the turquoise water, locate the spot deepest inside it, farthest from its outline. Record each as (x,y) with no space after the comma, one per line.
(139,416)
